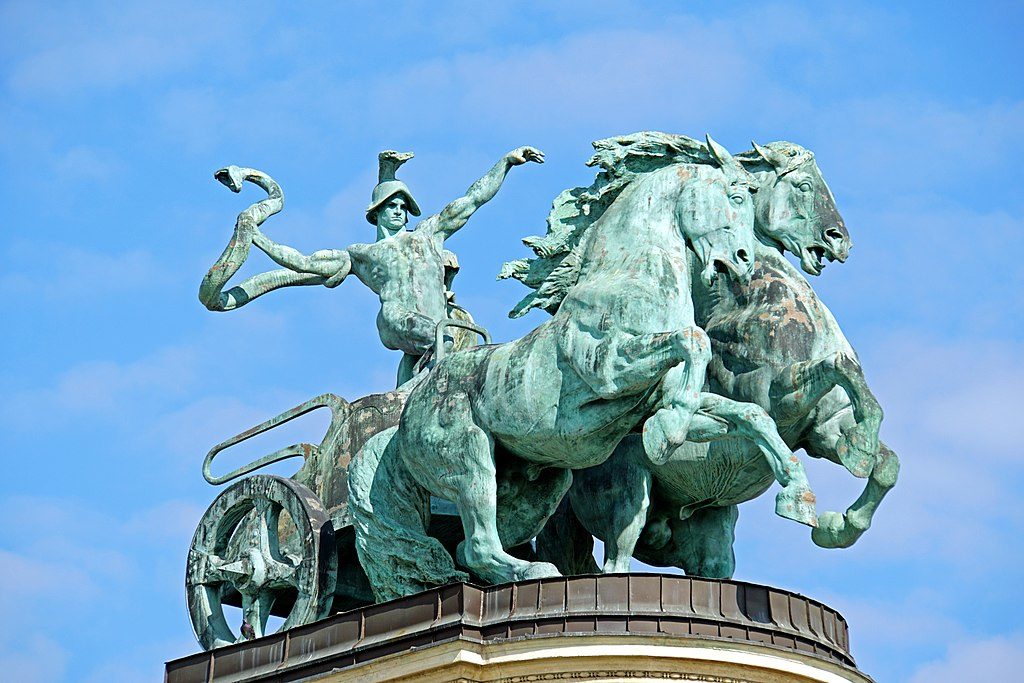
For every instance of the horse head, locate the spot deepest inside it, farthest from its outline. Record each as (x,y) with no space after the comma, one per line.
(796,211)
(716,216)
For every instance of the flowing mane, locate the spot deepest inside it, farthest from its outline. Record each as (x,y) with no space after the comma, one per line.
(622,159)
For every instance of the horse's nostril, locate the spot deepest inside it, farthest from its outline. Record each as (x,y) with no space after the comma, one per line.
(742,255)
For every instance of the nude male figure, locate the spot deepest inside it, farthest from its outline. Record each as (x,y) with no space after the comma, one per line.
(408,269)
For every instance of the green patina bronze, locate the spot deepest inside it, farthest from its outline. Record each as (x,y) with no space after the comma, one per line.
(775,347)
(498,428)
(410,270)
(684,361)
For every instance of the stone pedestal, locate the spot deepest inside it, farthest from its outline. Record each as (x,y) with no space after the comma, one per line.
(628,627)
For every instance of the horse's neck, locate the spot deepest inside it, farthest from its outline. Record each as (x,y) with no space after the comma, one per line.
(641,221)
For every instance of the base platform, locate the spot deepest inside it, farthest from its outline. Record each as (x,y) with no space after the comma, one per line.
(624,627)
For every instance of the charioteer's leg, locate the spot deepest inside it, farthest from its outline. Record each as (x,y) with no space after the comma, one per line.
(720,417)
(403,329)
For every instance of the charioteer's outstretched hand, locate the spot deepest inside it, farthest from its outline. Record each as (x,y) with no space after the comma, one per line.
(521,155)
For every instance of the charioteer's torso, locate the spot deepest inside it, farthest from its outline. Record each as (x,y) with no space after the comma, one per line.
(410,271)
(406,271)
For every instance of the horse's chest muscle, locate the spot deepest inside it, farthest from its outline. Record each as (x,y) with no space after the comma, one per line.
(773,319)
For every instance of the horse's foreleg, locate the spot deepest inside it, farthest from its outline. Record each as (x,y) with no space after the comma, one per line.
(800,387)
(527,497)
(566,543)
(842,531)
(797,388)
(619,364)
(679,397)
(720,417)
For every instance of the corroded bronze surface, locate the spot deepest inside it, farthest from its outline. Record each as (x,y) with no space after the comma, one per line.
(635,604)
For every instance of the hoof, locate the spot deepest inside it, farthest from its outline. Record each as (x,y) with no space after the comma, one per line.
(797,504)
(833,531)
(537,570)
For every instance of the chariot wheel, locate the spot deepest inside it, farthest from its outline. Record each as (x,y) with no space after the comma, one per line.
(245,551)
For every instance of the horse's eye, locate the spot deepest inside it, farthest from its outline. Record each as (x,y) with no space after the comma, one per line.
(805,186)
(737,199)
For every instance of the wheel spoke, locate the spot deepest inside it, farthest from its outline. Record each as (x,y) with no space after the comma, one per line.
(255,612)
(208,569)
(265,531)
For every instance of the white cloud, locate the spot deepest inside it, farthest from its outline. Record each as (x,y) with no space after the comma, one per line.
(170,521)
(992,659)
(27,579)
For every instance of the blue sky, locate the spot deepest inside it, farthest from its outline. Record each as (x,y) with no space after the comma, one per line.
(116,381)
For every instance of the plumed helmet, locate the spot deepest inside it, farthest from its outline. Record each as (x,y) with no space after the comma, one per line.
(388,186)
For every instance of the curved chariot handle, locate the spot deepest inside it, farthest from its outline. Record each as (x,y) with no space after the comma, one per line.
(305,450)
(445,324)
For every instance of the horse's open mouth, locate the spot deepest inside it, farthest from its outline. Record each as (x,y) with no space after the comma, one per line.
(727,268)
(812,257)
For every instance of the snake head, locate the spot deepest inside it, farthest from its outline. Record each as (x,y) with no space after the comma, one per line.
(231,177)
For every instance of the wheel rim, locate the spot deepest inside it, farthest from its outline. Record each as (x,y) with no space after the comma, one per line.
(238,546)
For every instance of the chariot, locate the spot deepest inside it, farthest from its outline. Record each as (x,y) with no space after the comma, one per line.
(285,547)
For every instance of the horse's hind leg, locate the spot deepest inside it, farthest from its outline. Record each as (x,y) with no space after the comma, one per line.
(703,543)
(527,496)
(451,456)
(720,417)
(612,499)
(566,543)
(841,531)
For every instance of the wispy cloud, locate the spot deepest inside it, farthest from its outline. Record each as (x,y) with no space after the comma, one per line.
(990,659)
(47,270)
(32,658)
(79,48)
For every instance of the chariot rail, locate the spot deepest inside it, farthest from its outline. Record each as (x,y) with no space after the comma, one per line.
(439,350)
(304,450)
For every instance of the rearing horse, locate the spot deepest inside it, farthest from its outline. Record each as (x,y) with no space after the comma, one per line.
(776,344)
(621,347)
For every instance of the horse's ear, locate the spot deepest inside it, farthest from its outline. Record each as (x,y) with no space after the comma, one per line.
(777,161)
(718,153)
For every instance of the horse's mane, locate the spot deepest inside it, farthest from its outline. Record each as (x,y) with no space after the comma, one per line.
(556,266)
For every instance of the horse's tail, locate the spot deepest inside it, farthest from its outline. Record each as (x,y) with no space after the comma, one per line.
(390,512)
(211,292)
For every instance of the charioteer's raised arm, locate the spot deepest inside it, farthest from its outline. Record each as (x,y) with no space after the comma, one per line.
(328,267)
(458,212)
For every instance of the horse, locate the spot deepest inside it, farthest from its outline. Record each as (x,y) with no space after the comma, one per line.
(497,429)
(775,344)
